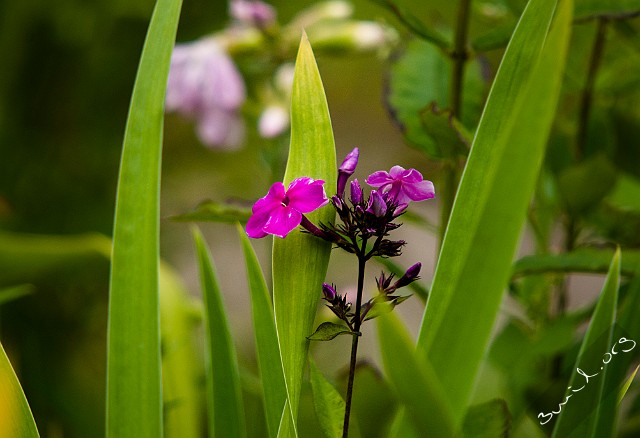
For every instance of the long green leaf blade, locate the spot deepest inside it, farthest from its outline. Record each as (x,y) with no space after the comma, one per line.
(16,419)
(134,389)
(579,416)
(490,206)
(267,348)
(327,402)
(226,415)
(414,379)
(300,261)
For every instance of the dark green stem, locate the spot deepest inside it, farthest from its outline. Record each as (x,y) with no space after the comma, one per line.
(459,56)
(587,94)
(354,344)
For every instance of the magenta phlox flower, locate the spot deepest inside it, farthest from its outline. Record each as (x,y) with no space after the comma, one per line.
(402,185)
(253,13)
(280,211)
(205,85)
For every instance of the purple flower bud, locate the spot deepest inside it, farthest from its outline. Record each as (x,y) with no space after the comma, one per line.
(252,13)
(400,209)
(329,292)
(346,169)
(337,202)
(376,205)
(356,192)
(409,277)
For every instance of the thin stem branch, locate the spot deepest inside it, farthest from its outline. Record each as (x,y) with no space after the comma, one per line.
(587,94)
(459,56)
(354,344)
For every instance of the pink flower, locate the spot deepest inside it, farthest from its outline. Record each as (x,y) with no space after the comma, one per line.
(205,85)
(401,185)
(279,212)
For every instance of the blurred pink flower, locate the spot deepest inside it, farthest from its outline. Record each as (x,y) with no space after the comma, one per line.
(401,185)
(252,13)
(279,212)
(205,85)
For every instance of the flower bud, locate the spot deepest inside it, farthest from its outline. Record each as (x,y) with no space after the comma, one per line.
(356,192)
(346,169)
(329,292)
(376,205)
(399,210)
(409,277)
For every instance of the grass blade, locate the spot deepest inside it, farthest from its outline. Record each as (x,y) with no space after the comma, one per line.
(300,261)
(180,319)
(267,348)
(415,380)
(226,415)
(134,389)
(327,402)
(492,200)
(16,419)
(580,416)
(627,385)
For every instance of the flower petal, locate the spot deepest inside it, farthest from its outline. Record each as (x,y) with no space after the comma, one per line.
(256,224)
(411,176)
(306,194)
(397,172)
(419,191)
(379,178)
(282,221)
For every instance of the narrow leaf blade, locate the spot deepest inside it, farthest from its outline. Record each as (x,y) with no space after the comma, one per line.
(16,419)
(492,199)
(267,347)
(414,381)
(134,390)
(300,261)
(579,416)
(226,415)
(327,402)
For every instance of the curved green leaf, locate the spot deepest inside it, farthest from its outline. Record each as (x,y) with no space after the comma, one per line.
(327,402)
(300,261)
(414,380)
(16,419)
(491,204)
(328,331)
(580,416)
(225,409)
(134,389)
(273,384)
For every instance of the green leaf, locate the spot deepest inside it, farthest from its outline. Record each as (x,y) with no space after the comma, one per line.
(134,389)
(627,385)
(226,415)
(594,260)
(597,173)
(490,207)
(16,419)
(445,130)
(180,321)
(11,293)
(496,38)
(487,420)
(581,415)
(414,380)
(28,257)
(300,261)
(267,347)
(212,211)
(382,306)
(586,9)
(414,24)
(329,330)
(327,402)
(419,79)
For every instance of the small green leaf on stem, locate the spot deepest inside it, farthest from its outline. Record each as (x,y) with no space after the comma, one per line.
(329,330)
